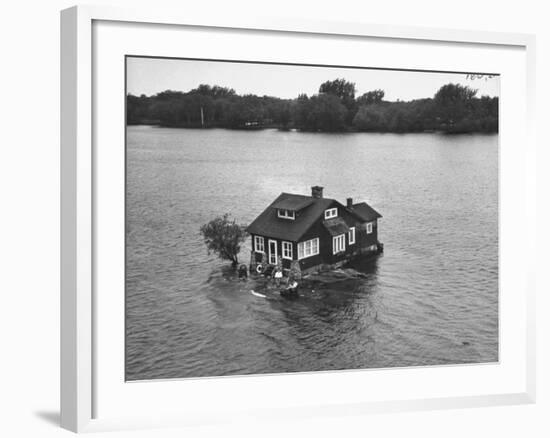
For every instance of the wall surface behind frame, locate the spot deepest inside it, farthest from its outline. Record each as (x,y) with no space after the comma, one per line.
(29,182)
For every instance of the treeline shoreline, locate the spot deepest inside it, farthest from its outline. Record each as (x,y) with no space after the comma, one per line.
(453,109)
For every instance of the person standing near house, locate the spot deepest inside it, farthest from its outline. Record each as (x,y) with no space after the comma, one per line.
(243,272)
(277,275)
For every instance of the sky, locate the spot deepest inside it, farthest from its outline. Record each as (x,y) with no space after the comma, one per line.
(152,75)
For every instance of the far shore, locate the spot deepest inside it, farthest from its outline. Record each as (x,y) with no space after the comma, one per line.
(293,129)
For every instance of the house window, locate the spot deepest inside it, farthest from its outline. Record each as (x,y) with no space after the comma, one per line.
(331,212)
(259,244)
(339,244)
(369,228)
(351,235)
(308,248)
(287,250)
(285,214)
(272,255)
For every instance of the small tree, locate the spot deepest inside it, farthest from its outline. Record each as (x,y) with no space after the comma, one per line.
(371,97)
(224,237)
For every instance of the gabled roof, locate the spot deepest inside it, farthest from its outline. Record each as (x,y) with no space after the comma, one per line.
(293,202)
(365,211)
(309,210)
(268,224)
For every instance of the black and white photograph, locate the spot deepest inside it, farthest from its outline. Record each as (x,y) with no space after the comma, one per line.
(286,218)
(292,219)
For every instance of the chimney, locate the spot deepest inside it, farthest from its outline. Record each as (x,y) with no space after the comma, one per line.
(349,202)
(317,192)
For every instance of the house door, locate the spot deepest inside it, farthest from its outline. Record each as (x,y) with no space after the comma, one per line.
(272,252)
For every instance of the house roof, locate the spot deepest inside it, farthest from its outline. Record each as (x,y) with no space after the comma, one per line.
(365,211)
(268,224)
(309,210)
(336,226)
(293,202)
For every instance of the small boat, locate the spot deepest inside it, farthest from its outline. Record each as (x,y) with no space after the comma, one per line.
(257,294)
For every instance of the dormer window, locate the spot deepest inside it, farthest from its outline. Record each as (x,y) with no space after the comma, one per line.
(286,214)
(331,212)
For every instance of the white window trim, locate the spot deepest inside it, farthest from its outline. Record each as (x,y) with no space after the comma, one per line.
(339,244)
(350,234)
(369,228)
(303,246)
(331,212)
(289,248)
(288,214)
(258,239)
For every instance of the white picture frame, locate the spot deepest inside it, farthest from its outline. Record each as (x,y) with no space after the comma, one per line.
(83,370)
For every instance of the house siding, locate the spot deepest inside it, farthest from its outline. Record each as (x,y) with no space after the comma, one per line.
(258,256)
(365,239)
(317,230)
(326,256)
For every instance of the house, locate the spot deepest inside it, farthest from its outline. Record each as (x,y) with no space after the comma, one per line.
(312,233)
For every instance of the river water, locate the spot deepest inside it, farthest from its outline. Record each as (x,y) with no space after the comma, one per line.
(430,299)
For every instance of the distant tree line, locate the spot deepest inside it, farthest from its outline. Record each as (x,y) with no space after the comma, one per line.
(454,109)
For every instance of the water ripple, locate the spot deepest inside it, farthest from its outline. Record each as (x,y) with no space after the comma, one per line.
(432,298)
